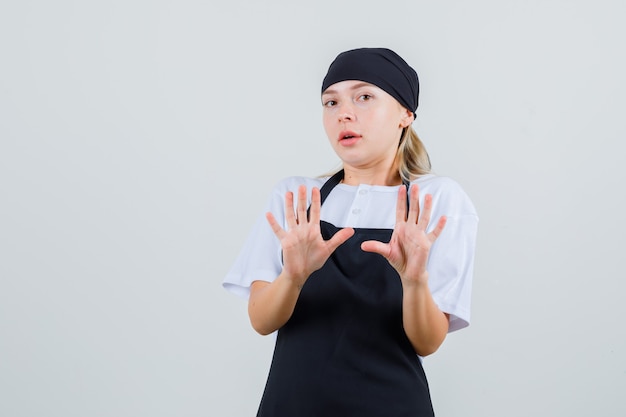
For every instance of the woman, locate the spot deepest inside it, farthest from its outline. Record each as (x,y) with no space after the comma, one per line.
(356,280)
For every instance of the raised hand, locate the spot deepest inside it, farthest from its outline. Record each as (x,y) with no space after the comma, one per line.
(410,244)
(304,249)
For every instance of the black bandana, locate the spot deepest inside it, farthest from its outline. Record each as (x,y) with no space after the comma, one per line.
(379,66)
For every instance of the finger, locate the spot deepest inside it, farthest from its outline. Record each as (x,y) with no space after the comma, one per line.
(278,231)
(414,204)
(401,205)
(289,210)
(439,228)
(301,204)
(375,246)
(340,237)
(425,217)
(314,216)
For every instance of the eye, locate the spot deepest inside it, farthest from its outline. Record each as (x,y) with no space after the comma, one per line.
(329,103)
(365,97)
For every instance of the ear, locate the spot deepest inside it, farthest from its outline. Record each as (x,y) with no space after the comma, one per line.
(407,118)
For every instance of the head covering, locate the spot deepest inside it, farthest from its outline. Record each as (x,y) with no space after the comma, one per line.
(379,66)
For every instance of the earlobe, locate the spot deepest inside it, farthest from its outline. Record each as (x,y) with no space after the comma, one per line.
(407,119)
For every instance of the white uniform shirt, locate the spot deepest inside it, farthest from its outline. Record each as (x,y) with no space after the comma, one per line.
(451,260)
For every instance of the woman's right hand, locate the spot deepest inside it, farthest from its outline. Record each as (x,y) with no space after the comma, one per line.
(304,249)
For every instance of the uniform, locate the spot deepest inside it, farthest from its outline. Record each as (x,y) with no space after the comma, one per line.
(344,352)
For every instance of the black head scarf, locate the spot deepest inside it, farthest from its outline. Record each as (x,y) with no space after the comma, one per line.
(379,66)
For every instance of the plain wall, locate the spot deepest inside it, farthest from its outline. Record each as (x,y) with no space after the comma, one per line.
(139,141)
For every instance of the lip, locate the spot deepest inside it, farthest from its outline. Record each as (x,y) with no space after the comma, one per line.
(348,137)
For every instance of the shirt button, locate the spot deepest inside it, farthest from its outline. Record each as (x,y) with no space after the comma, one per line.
(356,211)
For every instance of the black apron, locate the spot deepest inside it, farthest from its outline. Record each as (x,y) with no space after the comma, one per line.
(344,351)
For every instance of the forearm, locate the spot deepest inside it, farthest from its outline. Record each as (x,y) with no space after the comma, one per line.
(271,304)
(424,324)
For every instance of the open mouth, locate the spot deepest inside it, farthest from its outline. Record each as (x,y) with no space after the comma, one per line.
(348,136)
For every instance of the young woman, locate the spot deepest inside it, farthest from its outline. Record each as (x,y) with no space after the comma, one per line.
(350,270)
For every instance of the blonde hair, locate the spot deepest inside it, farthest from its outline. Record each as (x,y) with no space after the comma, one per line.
(412,158)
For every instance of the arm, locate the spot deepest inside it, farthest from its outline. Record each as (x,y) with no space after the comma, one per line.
(304,251)
(271,304)
(424,324)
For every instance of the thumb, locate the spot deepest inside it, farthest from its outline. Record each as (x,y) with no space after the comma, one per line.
(376,247)
(340,237)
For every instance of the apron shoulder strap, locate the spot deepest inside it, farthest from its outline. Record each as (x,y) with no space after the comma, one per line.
(330,184)
(327,188)
(407,185)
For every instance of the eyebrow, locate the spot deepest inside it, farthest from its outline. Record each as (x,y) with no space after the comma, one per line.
(354,87)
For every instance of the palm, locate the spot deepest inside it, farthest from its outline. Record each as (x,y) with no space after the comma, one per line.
(304,249)
(409,246)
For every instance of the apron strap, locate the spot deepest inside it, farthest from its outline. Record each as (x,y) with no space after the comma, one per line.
(326,189)
(329,185)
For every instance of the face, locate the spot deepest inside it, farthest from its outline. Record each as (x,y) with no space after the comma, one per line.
(363,123)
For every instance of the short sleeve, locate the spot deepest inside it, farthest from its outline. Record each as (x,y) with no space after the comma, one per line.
(451,260)
(260,256)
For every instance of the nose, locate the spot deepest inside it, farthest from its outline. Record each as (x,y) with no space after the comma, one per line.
(346,113)
(346,117)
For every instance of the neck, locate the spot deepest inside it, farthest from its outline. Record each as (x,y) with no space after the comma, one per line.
(372,176)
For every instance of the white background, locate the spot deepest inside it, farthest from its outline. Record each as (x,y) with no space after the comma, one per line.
(140,140)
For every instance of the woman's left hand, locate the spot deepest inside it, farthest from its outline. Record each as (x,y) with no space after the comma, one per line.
(410,244)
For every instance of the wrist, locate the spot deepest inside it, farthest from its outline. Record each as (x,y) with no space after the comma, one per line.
(293,280)
(415,282)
